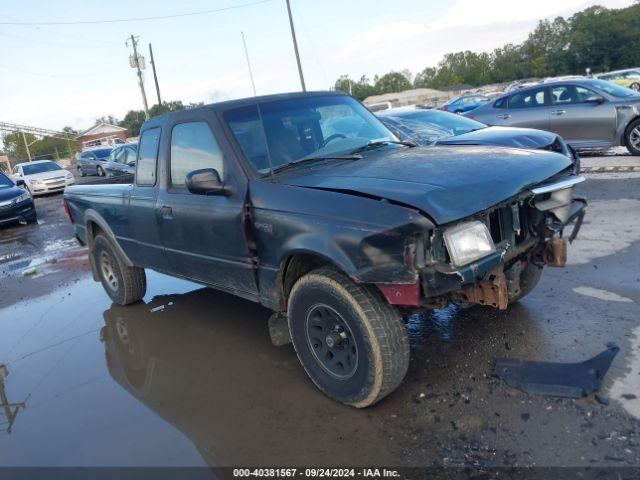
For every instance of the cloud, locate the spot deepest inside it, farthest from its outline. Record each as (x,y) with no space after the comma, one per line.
(467,25)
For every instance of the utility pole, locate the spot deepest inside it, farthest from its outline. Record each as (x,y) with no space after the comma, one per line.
(295,47)
(26,145)
(137,61)
(155,75)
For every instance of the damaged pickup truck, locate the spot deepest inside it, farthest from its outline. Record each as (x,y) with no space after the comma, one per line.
(307,204)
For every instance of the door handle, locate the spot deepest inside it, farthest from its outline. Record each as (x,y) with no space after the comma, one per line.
(504,116)
(166,213)
(558,112)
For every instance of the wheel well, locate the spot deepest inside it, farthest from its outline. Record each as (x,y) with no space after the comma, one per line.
(293,268)
(93,229)
(626,130)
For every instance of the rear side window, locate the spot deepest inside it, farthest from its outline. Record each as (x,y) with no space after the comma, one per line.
(527,99)
(193,147)
(148,157)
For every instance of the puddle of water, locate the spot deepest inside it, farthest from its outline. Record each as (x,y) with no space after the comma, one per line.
(601,294)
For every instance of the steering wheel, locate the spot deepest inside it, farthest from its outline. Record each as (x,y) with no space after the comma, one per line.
(331,138)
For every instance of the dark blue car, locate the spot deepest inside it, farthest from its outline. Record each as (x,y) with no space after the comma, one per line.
(16,204)
(464,103)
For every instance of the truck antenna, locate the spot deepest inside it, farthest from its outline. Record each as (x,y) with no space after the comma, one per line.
(262,130)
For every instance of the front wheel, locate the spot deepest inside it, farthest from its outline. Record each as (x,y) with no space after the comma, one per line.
(529,279)
(122,283)
(81,172)
(100,171)
(635,86)
(350,341)
(632,137)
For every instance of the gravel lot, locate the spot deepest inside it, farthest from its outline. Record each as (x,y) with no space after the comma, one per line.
(190,378)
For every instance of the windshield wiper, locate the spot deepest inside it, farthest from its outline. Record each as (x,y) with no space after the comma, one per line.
(305,160)
(380,143)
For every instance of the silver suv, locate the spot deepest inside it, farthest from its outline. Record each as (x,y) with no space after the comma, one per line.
(590,114)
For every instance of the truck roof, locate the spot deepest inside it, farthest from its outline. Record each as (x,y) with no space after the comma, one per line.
(227,104)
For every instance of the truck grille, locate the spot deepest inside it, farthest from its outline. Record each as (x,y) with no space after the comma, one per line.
(509,223)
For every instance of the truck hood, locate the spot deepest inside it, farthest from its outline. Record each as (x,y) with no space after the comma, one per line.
(504,137)
(446,183)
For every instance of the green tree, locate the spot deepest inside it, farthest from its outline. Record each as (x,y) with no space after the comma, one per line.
(597,38)
(134,119)
(392,82)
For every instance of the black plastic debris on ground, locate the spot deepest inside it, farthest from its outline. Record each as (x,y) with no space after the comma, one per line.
(572,380)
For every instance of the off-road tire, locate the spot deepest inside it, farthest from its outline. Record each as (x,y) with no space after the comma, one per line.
(529,279)
(130,282)
(633,150)
(81,172)
(377,329)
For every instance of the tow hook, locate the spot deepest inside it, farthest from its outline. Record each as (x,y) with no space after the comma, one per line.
(555,253)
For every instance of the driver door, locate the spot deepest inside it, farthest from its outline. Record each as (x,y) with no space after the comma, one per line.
(582,124)
(204,235)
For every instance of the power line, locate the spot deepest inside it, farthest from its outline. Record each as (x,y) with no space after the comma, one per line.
(141,19)
(67,35)
(51,44)
(50,75)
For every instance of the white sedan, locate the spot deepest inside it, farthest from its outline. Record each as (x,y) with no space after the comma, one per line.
(43,176)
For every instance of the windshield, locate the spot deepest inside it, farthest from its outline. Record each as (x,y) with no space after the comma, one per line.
(305,127)
(428,126)
(613,88)
(4,181)
(32,169)
(101,152)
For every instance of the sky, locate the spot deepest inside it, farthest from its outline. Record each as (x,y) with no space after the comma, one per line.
(53,76)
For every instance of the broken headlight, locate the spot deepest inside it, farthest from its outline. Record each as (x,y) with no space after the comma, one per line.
(467,242)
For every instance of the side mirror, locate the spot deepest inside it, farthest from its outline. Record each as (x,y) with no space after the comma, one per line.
(20,183)
(206,181)
(595,99)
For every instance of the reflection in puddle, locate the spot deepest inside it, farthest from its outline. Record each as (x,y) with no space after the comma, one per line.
(440,321)
(203,362)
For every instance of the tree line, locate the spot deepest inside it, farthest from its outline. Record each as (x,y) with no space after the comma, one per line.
(596,38)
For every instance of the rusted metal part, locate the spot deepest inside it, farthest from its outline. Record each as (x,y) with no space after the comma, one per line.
(555,253)
(401,294)
(491,292)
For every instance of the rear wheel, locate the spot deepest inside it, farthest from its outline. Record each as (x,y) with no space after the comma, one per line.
(100,171)
(350,341)
(632,137)
(122,283)
(635,86)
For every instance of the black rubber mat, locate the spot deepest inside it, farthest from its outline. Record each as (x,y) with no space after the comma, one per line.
(573,380)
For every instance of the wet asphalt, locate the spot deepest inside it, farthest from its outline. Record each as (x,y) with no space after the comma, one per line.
(189,377)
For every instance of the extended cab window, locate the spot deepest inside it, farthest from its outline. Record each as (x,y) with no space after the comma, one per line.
(148,158)
(193,147)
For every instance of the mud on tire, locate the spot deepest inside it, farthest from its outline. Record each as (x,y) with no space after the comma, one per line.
(350,341)
(122,283)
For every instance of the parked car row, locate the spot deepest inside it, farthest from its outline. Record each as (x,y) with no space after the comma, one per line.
(590,114)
